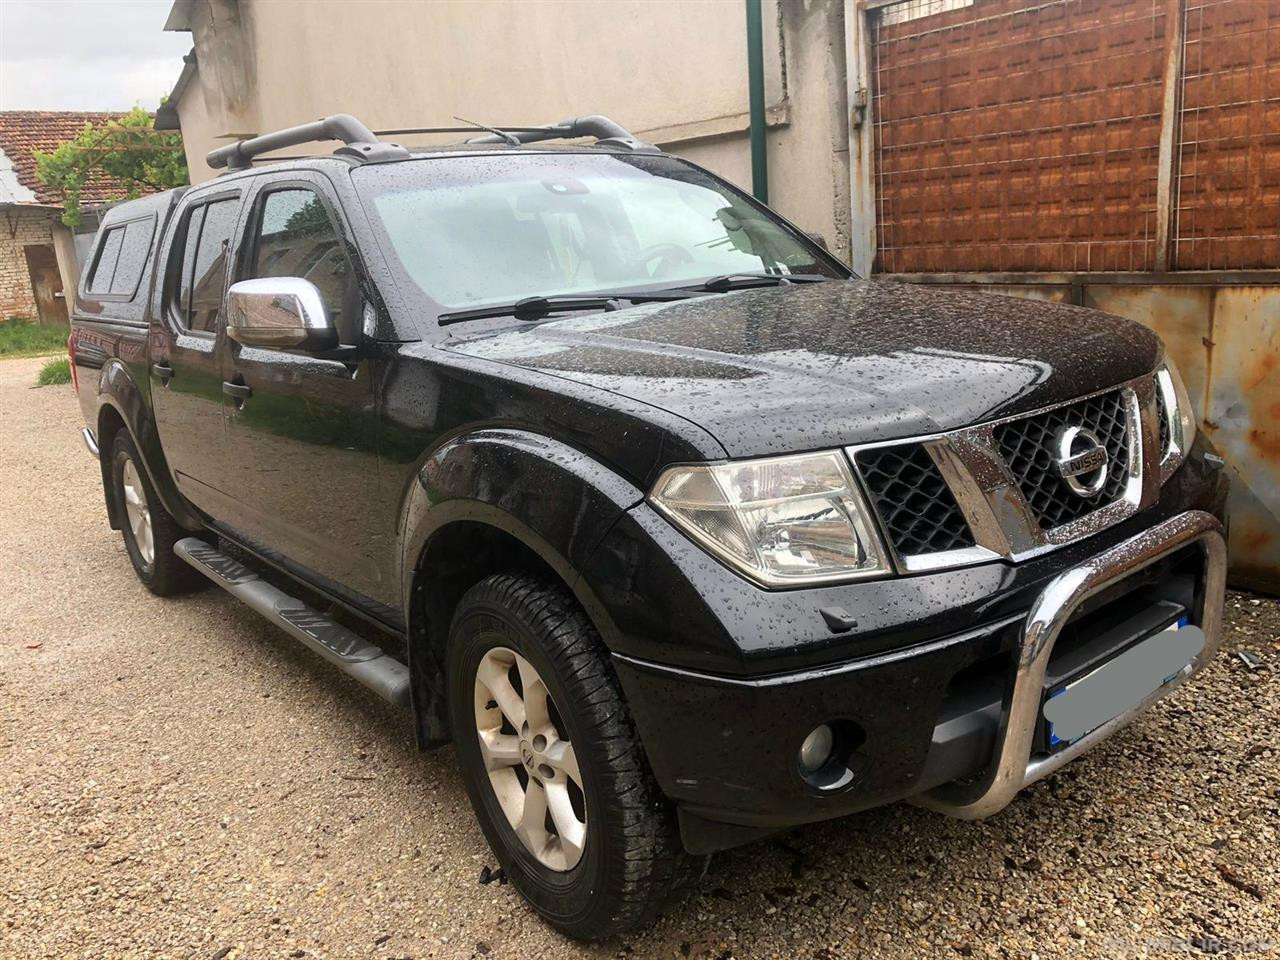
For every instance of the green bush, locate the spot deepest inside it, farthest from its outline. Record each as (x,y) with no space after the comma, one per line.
(55,371)
(22,338)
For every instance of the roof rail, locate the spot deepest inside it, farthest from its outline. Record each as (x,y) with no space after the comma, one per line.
(359,142)
(363,144)
(607,134)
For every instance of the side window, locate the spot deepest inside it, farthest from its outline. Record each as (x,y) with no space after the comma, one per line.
(182,301)
(198,264)
(122,259)
(209,269)
(108,256)
(295,238)
(133,257)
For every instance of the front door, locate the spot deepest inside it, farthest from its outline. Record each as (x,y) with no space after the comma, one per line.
(46,284)
(186,347)
(301,428)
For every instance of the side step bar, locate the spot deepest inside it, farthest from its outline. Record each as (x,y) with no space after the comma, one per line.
(384,675)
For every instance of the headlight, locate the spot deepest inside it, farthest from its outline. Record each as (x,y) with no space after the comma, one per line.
(784,521)
(1180,418)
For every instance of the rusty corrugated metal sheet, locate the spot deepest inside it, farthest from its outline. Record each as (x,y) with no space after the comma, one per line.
(1015,136)
(1242,418)
(1180,314)
(1228,198)
(1226,341)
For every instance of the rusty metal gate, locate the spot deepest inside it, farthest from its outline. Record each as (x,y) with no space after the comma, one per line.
(1123,154)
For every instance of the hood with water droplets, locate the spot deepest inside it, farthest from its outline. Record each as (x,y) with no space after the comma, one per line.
(805,367)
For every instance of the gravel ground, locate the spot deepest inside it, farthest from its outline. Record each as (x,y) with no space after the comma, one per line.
(182,780)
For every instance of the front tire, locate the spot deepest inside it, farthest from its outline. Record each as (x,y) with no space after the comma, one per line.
(149,530)
(552,763)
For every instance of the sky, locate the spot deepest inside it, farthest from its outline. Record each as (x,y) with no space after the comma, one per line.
(87,54)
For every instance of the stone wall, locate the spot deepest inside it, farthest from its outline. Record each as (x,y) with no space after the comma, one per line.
(18,228)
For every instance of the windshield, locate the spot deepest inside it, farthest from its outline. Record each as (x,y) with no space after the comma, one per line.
(470,231)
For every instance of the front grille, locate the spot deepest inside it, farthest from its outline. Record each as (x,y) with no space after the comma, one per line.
(1028,446)
(916,505)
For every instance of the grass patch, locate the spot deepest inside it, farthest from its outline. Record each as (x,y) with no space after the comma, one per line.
(22,338)
(55,371)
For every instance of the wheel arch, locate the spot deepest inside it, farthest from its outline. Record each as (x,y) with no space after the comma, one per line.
(496,501)
(110,423)
(121,406)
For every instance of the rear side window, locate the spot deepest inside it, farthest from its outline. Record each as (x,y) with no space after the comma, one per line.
(108,256)
(197,300)
(122,259)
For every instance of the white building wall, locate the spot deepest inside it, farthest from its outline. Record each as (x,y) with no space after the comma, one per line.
(672,71)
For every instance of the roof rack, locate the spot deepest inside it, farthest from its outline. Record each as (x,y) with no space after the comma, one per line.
(361,143)
(606,132)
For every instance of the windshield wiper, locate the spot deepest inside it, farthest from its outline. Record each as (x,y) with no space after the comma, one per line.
(535,308)
(734,281)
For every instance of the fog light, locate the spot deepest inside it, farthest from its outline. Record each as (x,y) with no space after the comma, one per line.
(816,749)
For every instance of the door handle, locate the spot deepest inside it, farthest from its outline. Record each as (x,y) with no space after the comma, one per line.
(163,372)
(241,391)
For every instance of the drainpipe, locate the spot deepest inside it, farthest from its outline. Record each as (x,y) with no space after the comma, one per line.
(755,92)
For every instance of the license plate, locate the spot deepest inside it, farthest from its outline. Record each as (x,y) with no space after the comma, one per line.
(1086,703)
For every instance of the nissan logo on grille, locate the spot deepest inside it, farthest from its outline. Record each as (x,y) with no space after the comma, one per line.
(1082,460)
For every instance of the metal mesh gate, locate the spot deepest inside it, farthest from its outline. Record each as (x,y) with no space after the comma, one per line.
(1228,199)
(1025,136)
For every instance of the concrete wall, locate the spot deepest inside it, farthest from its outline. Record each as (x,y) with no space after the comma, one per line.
(64,247)
(672,71)
(18,228)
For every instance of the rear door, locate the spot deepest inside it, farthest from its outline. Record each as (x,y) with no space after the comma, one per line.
(186,344)
(303,441)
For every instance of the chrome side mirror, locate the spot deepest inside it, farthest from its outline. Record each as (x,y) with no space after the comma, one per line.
(279,312)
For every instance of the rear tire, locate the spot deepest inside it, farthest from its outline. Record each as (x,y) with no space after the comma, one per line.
(148,529)
(601,853)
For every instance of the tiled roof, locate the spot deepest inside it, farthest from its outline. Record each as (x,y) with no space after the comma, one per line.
(24,131)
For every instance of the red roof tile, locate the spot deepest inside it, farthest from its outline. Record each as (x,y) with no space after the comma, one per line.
(24,131)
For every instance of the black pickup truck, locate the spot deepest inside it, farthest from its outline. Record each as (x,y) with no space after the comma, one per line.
(681,533)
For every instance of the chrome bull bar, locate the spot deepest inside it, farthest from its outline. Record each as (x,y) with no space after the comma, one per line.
(1012,764)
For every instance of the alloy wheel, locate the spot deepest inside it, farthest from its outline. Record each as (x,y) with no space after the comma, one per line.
(135,505)
(531,763)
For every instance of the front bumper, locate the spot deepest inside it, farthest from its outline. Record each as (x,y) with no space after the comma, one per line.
(725,748)
(1013,763)
(725,680)
(942,677)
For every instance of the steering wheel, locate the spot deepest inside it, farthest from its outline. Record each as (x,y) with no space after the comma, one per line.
(668,255)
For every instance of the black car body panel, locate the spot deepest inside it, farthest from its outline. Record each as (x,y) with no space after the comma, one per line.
(822,365)
(110,333)
(384,475)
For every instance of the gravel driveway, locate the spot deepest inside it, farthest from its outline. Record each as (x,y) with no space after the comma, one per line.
(180,779)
